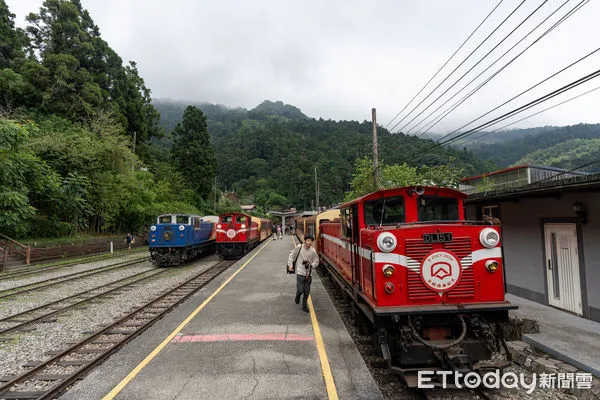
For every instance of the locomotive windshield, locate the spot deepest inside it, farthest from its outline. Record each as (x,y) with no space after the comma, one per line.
(183,219)
(226,219)
(434,208)
(241,219)
(388,211)
(164,219)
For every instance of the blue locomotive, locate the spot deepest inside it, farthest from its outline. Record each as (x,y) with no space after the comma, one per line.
(176,238)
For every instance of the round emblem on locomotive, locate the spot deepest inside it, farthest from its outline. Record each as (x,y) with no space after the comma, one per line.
(440,271)
(231,233)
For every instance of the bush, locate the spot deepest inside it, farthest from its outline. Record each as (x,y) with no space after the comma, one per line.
(49,228)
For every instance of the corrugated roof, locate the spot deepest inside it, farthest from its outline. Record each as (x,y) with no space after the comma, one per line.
(582,182)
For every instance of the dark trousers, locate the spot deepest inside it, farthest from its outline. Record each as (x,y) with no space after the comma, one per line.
(303,287)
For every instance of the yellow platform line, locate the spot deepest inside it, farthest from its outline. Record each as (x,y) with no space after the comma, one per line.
(325,368)
(117,389)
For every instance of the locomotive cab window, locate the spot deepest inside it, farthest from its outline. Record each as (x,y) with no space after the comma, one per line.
(226,219)
(164,219)
(183,219)
(387,211)
(241,219)
(435,208)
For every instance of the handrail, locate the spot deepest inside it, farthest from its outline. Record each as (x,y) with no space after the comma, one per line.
(13,241)
(26,252)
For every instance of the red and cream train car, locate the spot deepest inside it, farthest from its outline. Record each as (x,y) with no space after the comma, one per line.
(238,233)
(429,282)
(311,225)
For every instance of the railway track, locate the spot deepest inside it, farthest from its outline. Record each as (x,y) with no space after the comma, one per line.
(49,310)
(27,271)
(66,278)
(80,358)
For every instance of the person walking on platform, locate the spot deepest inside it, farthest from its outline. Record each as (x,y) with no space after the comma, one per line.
(303,259)
(279,236)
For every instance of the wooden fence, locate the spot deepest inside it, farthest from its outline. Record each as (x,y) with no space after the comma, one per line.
(30,254)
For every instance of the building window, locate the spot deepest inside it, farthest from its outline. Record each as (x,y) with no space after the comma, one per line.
(490,211)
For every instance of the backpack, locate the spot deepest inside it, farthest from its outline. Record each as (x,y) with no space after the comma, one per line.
(293,271)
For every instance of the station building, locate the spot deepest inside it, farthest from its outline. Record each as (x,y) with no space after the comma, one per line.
(551,233)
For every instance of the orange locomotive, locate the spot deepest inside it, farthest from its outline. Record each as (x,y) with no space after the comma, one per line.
(238,233)
(430,283)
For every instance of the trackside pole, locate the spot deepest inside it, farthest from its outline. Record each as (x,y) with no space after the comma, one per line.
(375,149)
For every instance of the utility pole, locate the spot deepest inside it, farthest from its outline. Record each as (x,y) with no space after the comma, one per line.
(215,196)
(316,188)
(134,140)
(375,149)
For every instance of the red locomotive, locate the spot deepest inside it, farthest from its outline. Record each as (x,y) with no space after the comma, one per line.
(429,282)
(239,233)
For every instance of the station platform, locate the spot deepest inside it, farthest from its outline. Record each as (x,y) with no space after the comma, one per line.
(240,337)
(565,336)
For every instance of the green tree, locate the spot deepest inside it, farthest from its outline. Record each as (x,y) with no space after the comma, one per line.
(395,175)
(81,76)
(192,152)
(12,40)
(16,164)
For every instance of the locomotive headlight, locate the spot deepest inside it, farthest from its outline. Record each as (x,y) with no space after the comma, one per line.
(153,228)
(243,226)
(181,228)
(219,226)
(388,270)
(489,238)
(386,242)
(491,265)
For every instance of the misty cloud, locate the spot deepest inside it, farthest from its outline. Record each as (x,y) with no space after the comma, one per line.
(337,59)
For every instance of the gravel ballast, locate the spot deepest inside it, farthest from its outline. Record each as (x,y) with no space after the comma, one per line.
(22,347)
(57,273)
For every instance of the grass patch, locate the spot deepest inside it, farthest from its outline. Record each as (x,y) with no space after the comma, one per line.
(81,238)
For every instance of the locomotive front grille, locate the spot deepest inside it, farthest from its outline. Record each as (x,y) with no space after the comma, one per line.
(416,250)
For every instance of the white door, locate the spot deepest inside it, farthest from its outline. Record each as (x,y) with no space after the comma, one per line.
(562,267)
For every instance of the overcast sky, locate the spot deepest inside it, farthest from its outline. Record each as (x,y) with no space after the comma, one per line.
(338,59)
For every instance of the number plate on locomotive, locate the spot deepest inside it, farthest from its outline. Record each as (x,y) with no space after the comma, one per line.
(437,237)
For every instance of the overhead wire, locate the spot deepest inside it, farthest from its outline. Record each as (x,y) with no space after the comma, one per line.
(490,66)
(529,105)
(444,114)
(529,116)
(515,111)
(476,64)
(456,68)
(446,63)
(521,93)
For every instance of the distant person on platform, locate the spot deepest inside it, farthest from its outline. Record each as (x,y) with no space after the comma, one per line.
(306,259)
(129,240)
(279,235)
